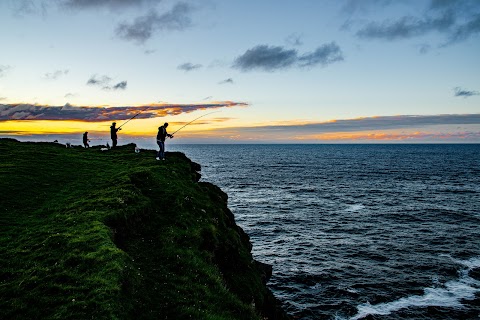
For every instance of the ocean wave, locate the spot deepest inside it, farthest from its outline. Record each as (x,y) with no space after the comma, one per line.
(355,207)
(449,295)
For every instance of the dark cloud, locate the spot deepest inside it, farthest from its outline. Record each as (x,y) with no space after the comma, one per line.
(105,83)
(70,95)
(56,74)
(189,66)
(406,27)
(323,55)
(459,92)
(229,80)
(96,114)
(120,86)
(464,31)
(456,20)
(3,98)
(140,30)
(271,58)
(143,27)
(267,58)
(99,81)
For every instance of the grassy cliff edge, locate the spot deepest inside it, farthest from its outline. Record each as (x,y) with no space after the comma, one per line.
(90,234)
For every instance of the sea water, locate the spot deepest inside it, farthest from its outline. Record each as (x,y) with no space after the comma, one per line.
(358,231)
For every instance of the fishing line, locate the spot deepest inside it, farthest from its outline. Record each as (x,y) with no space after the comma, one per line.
(130,119)
(194,120)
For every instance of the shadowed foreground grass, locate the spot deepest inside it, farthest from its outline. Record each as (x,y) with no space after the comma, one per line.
(86,234)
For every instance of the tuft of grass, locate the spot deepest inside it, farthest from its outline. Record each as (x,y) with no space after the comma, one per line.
(118,235)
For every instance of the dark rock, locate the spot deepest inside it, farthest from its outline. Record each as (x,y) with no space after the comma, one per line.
(265,270)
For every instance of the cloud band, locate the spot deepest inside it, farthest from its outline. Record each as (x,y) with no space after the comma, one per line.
(97,114)
(272,58)
(372,123)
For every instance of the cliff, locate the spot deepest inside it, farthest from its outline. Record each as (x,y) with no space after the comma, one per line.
(115,234)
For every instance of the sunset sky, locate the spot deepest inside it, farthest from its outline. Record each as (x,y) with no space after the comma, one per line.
(306,71)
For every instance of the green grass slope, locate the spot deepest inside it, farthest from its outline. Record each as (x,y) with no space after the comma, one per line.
(90,234)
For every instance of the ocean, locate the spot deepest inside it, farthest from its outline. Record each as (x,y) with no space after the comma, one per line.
(358,231)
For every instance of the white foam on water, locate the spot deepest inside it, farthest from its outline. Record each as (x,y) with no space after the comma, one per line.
(354,207)
(470,263)
(450,295)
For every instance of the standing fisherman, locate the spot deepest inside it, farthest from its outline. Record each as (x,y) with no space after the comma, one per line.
(161,135)
(113,134)
(85,140)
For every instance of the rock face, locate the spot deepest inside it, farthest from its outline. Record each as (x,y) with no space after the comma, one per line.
(243,275)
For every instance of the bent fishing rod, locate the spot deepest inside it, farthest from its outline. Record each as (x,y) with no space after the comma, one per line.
(130,119)
(194,120)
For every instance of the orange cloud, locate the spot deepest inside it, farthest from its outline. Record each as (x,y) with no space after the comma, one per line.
(10,112)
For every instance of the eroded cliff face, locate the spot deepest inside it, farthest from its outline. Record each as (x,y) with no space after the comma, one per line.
(243,275)
(118,235)
(194,260)
(200,210)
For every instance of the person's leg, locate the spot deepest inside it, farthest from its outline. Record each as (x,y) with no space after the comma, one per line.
(162,150)
(159,153)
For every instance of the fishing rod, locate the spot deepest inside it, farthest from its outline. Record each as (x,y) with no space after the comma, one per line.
(194,120)
(129,119)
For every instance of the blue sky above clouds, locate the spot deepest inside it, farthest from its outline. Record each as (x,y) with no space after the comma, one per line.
(294,63)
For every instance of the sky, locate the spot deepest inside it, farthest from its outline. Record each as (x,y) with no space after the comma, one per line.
(304,71)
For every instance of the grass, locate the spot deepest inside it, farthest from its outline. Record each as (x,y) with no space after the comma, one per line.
(86,234)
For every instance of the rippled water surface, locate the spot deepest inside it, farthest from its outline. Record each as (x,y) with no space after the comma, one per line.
(358,231)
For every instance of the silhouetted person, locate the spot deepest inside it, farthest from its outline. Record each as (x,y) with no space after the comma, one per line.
(85,140)
(113,134)
(161,135)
